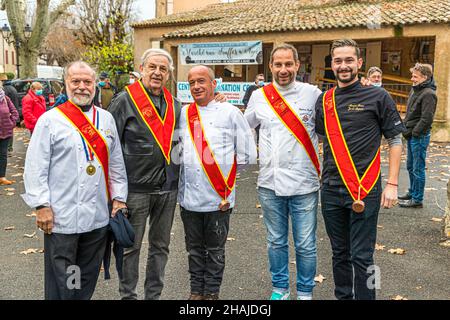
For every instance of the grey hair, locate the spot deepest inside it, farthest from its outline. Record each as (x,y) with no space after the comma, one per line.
(372,70)
(157,52)
(78,63)
(284,46)
(346,43)
(425,69)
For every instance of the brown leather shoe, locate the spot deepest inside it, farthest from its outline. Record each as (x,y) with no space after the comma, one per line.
(212,296)
(196,296)
(5,182)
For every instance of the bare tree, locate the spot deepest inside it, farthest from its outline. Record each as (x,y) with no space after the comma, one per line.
(44,17)
(61,44)
(104,21)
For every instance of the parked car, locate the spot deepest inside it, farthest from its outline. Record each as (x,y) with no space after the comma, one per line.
(52,88)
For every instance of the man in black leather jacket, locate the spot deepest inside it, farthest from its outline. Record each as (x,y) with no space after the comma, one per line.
(419,119)
(152,170)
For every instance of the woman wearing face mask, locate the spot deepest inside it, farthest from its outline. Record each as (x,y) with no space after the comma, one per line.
(8,118)
(33,105)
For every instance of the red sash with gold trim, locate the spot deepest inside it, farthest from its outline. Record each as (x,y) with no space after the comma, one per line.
(292,122)
(91,135)
(162,129)
(210,167)
(358,188)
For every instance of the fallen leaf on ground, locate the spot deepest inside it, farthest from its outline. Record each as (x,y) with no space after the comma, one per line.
(379,247)
(17,175)
(10,189)
(430,189)
(10,228)
(419,287)
(436,219)
(230,239)
(258,206)
(29,251)
(293,262)
(380,227)
(320,278)
(30,235)
(33,214)
(398,298)
(10,194)
(399,251)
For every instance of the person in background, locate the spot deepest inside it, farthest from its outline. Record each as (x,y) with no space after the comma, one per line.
(8,119)
(134,76)
(11,93)
(419,119)
(105,91)
(375,76)
(62,97)
(259,83)
(33,105)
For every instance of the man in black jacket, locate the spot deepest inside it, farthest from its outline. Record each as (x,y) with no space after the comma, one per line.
(419,118)
(147,118)
(259,83)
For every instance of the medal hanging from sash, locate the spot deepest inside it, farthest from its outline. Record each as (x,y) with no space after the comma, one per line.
(292,122)
(90,169)
(358,188)
(161,129)
(93,142)
(223,186)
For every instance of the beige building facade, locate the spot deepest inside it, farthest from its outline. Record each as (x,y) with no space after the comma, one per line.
(395,48)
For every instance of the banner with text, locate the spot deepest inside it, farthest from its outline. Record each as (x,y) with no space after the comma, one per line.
(221,53)
(233,91)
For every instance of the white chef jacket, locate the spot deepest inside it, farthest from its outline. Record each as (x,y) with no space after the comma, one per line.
(55,173)
(285,167)
(228,134)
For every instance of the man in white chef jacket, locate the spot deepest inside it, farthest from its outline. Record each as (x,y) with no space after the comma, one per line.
(215,139)
(288,181)
(70,180)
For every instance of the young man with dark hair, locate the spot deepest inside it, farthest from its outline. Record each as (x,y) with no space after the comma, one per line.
(352,118)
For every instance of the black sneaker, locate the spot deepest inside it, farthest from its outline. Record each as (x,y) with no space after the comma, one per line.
(411,204)
(406,196)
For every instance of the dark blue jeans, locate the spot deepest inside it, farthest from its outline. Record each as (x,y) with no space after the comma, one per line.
(3,156)
(352,238)
(417,153)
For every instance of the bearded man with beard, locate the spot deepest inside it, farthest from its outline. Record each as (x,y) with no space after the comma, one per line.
(73,169)
(352,118)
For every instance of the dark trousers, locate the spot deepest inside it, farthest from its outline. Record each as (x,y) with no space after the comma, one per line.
(206,235)
(159,209)
(353,238)
(11,143)
(3,156)
(72,264)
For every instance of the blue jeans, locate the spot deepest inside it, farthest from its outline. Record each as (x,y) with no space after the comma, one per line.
(417,153)
(303,212)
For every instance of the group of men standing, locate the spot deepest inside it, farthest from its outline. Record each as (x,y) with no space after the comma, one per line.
(148,152)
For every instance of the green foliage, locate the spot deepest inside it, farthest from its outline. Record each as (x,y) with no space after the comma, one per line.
(10,75)
(115,58)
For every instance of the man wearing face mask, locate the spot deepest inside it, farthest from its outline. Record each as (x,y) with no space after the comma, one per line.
(288,181)
(134,76)
(375,76)
(33,105)
(259,83)
(352,119)
(74,168)
(105,91)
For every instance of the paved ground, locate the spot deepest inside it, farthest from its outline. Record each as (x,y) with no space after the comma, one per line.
(423,272)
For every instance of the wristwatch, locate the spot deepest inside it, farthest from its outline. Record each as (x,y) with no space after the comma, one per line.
(42,207)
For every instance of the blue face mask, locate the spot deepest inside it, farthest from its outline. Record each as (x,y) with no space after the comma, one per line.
(377,84)
(261,83)
(101,84)
(39,92)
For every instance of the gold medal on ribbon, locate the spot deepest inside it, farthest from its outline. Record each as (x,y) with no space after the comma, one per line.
(90,170)
(359,206)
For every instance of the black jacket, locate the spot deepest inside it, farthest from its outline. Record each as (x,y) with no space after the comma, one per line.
(248,94)
(146,166)
(421,109)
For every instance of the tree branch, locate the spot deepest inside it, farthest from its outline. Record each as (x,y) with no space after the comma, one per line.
(60,9)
